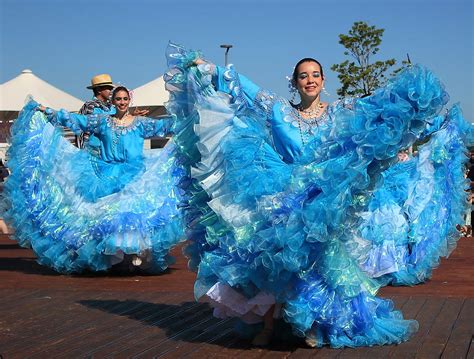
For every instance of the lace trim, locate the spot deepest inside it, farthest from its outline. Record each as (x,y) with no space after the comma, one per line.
(155,127)
(93,122)
(122,130)
(347,103)
(232,81)
(291,116)
(264,102)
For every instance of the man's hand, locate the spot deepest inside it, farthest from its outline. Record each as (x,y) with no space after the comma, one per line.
(138,112)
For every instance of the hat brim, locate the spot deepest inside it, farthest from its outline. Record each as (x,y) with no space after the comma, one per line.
(104,84)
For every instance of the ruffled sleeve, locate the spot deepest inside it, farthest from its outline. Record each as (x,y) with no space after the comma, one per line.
(157,127)
(243,90)
(77,123)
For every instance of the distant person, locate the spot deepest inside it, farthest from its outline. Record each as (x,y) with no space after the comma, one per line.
(82,212)
(3,171)
(102,87)
(3,175)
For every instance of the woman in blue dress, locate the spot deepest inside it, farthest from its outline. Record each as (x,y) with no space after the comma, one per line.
(278,187)
(78,211)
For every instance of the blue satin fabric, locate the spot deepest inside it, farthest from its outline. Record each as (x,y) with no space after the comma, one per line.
(79,212)
(93,142)
(279,113)
(269,214)
(120,151)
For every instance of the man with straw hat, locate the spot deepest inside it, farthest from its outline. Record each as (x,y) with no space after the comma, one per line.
(102,87)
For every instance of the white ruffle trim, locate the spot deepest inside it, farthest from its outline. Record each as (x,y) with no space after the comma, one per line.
(227,303)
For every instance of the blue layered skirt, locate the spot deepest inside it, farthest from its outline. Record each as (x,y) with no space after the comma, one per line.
(305,236)
(80,213)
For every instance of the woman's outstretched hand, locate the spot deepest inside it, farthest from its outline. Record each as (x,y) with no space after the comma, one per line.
(198,62)
(140,112)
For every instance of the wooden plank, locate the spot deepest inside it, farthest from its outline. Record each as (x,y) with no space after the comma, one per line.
(304,353)
(27,320)
(12,296)
(470,354)
(356,353)
(115,323)
(426,317)
(434,343)
(149,326)
(399,301)
(65,322)
(109,314)
(69,322)
(169,331)
(123,334)
(328,353)
(279,349)
(171,320)
(36,305)
(9,303)
(459,341)
(228,340)
(412,307)
(192,344)
(174,341)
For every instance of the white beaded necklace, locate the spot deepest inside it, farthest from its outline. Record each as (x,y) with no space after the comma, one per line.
(312,113)
(118,127)
(121,121)
(312,121)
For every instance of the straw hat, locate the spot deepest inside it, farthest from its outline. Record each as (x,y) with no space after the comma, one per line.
(101,80)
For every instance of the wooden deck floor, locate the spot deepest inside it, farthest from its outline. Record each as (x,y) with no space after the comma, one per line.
(47,315)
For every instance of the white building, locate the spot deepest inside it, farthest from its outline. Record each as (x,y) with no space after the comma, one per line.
(14,94)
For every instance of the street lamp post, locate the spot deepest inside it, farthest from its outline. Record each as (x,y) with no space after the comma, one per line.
(227,48)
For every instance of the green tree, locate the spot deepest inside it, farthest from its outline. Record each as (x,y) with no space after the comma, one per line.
(360,77)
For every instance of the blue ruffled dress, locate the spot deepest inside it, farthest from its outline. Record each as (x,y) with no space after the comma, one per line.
(410,221)
(274,200)
(81,212)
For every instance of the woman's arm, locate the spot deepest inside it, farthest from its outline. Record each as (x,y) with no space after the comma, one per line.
(226,79)
(157,127)
(77,123)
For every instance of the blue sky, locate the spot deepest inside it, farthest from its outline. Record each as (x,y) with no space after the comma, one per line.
(67,42)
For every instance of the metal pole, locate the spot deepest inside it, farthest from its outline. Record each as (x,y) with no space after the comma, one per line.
(227,48)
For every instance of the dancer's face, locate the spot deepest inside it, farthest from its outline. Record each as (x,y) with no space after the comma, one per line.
(104,92)
(309,80)
(121,100)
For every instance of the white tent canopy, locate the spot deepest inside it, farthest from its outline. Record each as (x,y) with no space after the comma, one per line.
(152,93)
(13,94)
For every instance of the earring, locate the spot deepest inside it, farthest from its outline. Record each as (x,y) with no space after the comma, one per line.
(325,92)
